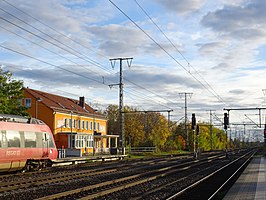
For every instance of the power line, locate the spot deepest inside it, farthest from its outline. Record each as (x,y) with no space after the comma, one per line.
(45,62)
(165,50)
(220,99)
(50,27)
(92,62)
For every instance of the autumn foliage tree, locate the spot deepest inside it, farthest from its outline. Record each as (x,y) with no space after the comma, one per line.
(141,129)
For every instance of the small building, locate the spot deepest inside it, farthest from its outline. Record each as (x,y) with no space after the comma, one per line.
(76,126)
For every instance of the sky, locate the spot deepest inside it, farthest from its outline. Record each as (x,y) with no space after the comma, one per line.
(212,51)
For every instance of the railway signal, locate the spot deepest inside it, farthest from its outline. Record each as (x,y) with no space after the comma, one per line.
(264,134)
(193,121)
(197,130)
(226,121)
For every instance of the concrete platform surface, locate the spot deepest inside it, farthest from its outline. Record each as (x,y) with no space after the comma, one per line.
(252,182)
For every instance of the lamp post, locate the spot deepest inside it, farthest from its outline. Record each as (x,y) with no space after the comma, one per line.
(94,110)
(71,124)
(36,106)
(94,122)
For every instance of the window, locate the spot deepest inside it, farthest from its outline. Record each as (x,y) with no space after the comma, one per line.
(27,102)
(13,138)
(82,141)
(94,126)
(79,141)
(87,125)
(90,125)
(3,139)
(40,139)
(30,139)
(78,124)
(70,123)
(83,124)
(74,123)
(20,102)
(65,123)
(98,126)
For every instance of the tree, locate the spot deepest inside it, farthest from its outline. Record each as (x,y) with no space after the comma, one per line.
(111,113)
(11,91)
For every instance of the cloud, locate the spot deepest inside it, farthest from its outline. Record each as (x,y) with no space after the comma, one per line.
(237,91)
(241,21)
(181,7)
(120,40)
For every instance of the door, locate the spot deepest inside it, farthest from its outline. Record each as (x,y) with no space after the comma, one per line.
(45,145)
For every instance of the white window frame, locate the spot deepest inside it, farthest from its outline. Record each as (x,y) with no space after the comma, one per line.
(87,125)
(27,102)
(78,124)
(83,124)
(90,125)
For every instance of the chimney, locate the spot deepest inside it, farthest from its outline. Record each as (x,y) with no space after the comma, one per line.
(82,102)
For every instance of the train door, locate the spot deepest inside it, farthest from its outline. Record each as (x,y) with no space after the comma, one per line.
(45,144)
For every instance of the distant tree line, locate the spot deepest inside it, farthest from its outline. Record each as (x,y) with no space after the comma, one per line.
(152,129)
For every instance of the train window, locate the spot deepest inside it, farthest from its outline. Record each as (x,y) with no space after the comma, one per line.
(3,139)
(13,138)
(22,139)
(50,140)
(30,139)
(39,139)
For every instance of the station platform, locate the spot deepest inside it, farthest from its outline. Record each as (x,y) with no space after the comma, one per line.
(252,182)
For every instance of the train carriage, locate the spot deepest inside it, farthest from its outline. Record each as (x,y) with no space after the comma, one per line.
(25,144)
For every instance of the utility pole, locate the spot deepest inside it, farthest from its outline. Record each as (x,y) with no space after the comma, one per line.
(186,129)
(121,105)
(211,129)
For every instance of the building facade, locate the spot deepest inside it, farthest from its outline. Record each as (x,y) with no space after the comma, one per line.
(76,126)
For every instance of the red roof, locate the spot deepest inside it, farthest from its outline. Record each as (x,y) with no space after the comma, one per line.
(61,103)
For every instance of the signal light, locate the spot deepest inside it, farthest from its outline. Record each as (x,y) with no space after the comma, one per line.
(226,121)
(265,133)
(193,121)
(197,130)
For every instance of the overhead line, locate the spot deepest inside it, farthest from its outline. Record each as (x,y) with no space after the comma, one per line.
(92,61)
(81,75)
(48,49)
(217,96)
(163,49)
(62,34)
(74,52)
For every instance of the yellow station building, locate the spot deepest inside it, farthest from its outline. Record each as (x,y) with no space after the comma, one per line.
(77,128)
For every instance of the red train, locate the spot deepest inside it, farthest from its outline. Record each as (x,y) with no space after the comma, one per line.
(25,144)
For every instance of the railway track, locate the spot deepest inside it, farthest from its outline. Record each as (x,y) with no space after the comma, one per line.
(135,179)
(216,184)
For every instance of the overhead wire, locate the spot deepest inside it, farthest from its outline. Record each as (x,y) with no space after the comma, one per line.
(45,62)
(56,31)
(163,49)
(92,62)
(208,87)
